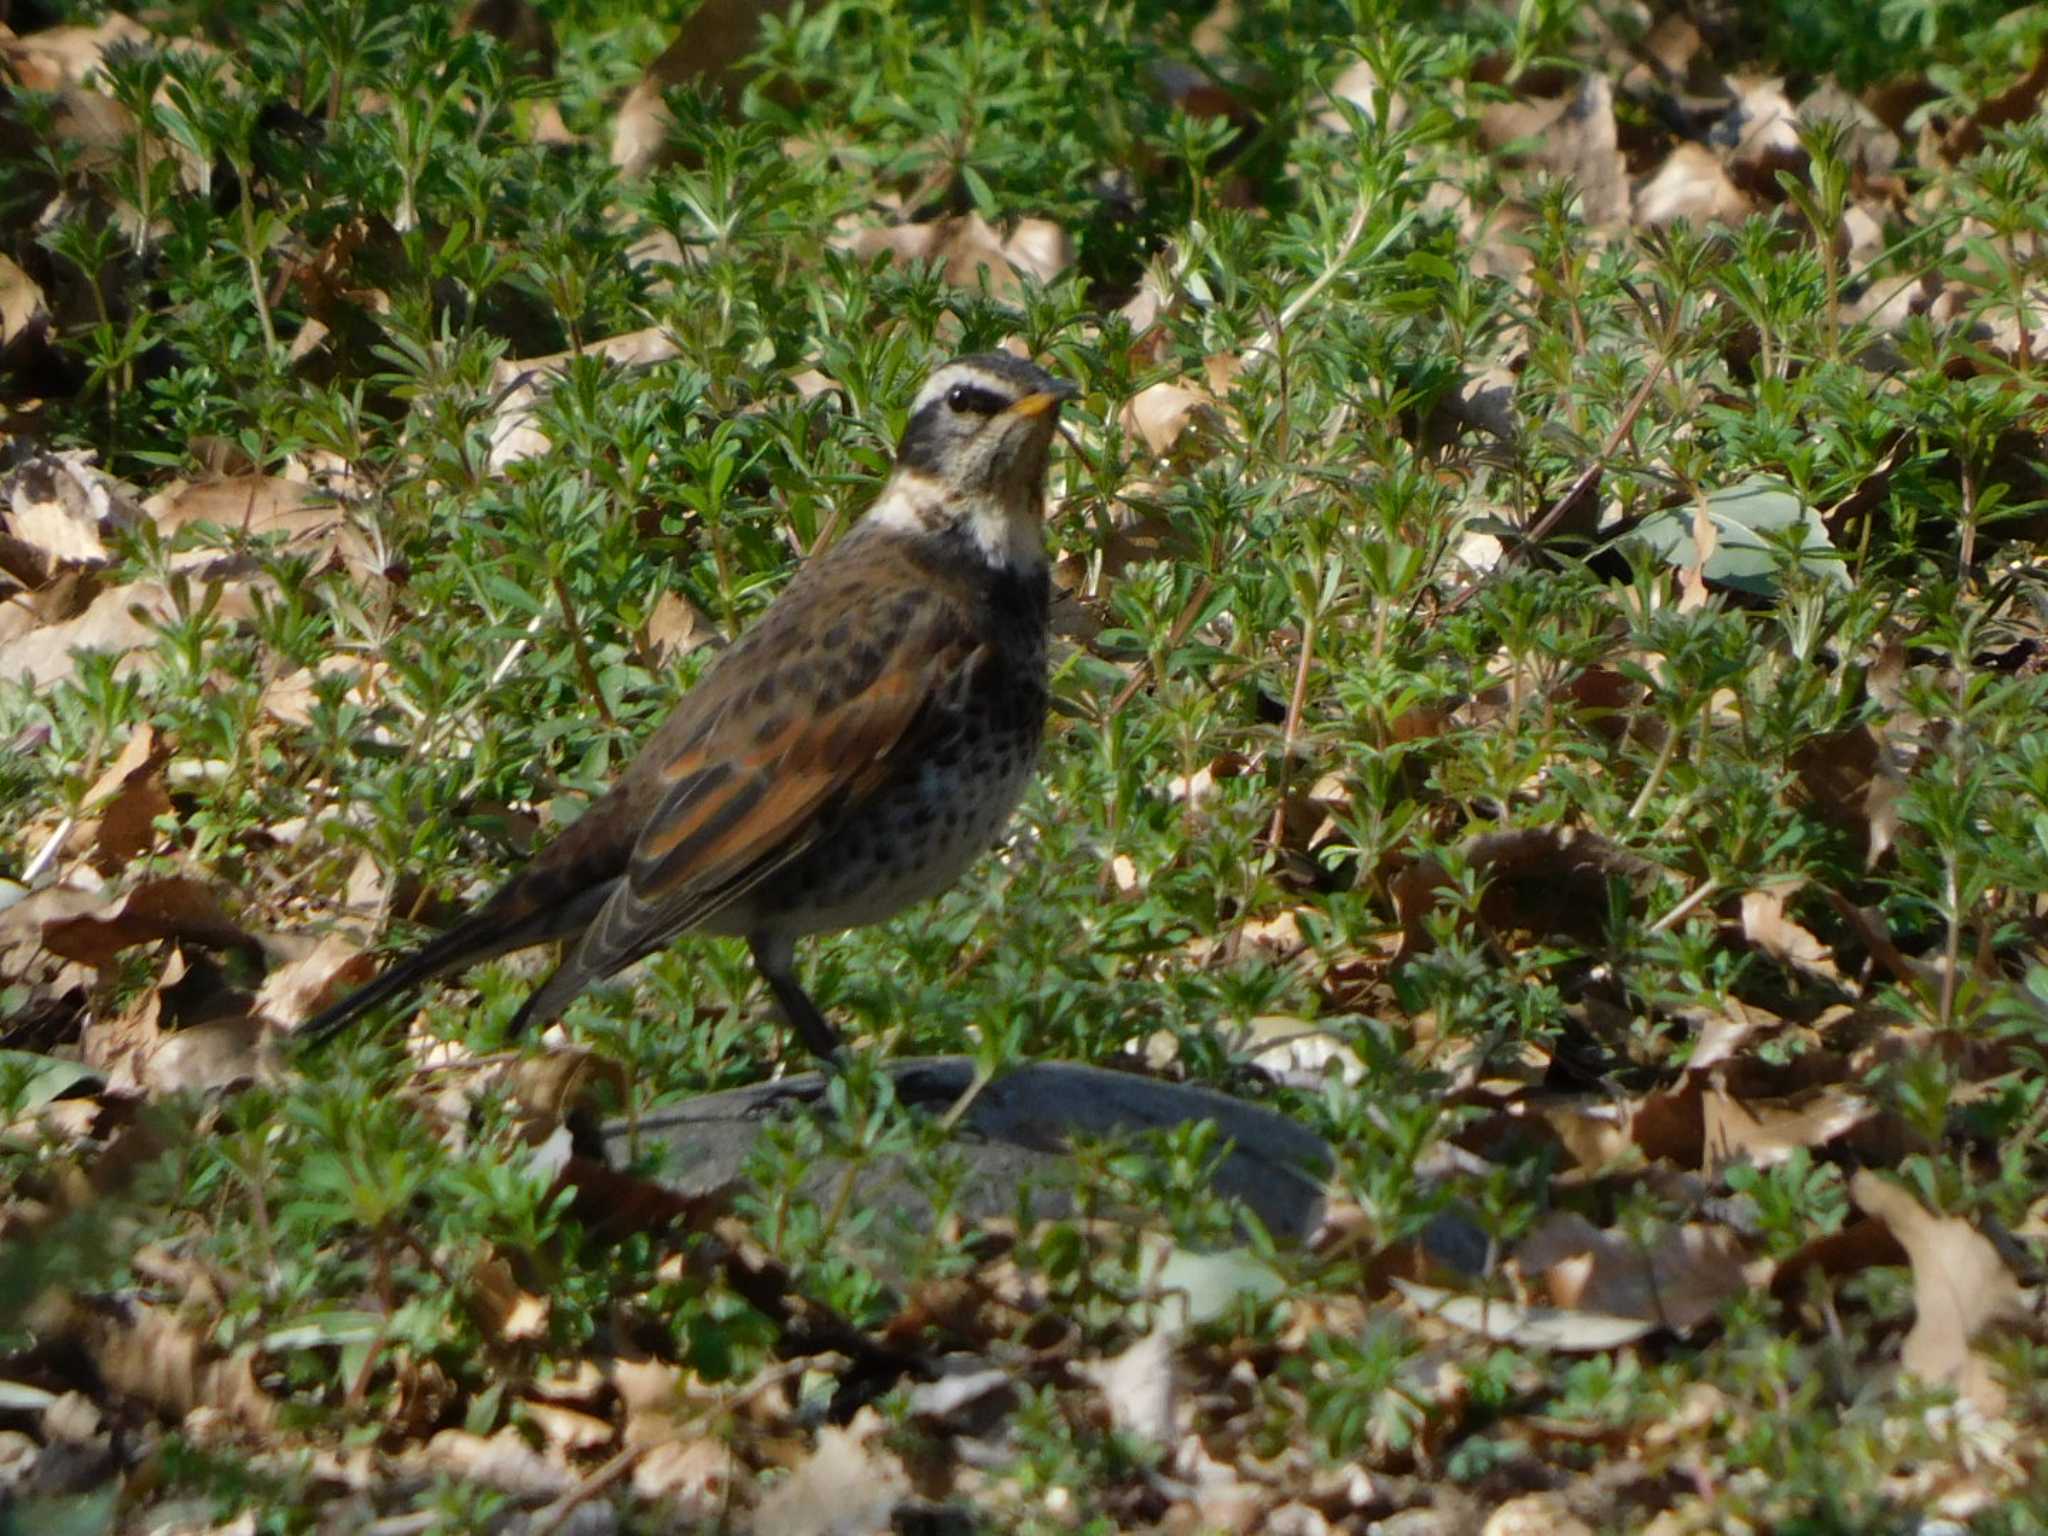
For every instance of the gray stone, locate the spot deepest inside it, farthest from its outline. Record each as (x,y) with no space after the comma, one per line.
(1014,1138)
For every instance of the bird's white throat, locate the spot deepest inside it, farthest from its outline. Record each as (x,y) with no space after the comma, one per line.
(1007,530)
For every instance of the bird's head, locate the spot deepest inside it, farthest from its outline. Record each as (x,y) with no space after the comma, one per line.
(972,457)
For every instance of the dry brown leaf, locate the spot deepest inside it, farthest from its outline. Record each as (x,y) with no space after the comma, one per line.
(695,1478)
(1961,1289)
(126,801)
(1864,1243)
(1548,863)
(293,992)
(1535,1514)
(59,506)
(522,381)
(1723,1033)
(243,504)
(1570,136)
(175,906)
(159,1357)
(1679,1281)
(1764,1132)
(23,309)
(1762,133)
(676,627)
(53,57)
(1138,1387)
(1765,925)
(1161,415)
(505,1312)
(2015,103)
(846,1487)
(119,1044)
(1694,187)
(717,35)
(1585,146)
(23,921)
(656,1397)
(521,27)
(289,700)
(1852,780)
(1768,926)
(1039,248)
(504,1461)
(567,1432)
(207,1056)
(121,619)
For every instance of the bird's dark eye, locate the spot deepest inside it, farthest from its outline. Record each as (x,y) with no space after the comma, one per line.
(965,397)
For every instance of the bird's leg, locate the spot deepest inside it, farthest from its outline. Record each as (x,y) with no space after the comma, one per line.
(775,960)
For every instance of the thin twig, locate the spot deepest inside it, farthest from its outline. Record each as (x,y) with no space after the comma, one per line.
(584,668)
(504,668)
(1581,487)
(1353,233)
(1297,702)
(1685,908)
(551,1519)
(47,854)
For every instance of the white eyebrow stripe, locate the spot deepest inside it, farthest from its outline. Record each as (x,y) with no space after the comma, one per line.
(957,373)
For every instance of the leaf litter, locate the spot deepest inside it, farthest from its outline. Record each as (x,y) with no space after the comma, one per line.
(125,911)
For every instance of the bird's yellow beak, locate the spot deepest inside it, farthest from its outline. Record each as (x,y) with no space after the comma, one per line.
(1035,405)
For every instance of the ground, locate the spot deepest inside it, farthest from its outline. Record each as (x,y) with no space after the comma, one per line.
(1553,640)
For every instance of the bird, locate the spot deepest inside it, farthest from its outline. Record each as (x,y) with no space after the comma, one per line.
(848,756)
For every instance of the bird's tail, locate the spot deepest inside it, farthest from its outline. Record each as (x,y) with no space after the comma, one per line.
(463,945)
(518,917)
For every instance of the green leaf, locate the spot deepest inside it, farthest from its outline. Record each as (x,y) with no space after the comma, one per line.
(1210,1283)
(1758,522)
(42,1078)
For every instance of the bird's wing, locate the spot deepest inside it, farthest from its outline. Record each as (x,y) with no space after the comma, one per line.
(791,740)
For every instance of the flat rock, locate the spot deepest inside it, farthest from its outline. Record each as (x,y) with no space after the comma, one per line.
(1014,1138)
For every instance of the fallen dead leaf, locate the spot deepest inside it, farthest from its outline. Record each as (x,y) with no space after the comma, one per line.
(968,251)
(522,381)
(1535,1514)
(158,1357)
(503,1461)
(1852,781)
(1761,136)
(676,627)
(1138,1387)
(1547,861)
(51,57)
(1961,1289)
(1765,1132)
(126,801)
(507,1313)
(695,1478)
(567,1432)
(715,38)
(1693,187)
(1765,925)
(846,1487)
(1678,1281)
(60,507)
(174,906)
(1507,1322)
(205,1056)
(289,700)
(298,989)
(1161,415)
(23,309)
(122,620)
